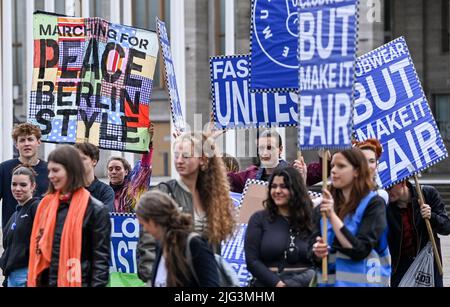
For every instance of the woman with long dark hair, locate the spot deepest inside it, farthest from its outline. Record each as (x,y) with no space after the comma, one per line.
(161,218)
(277,238)
(70,241)
(356,223)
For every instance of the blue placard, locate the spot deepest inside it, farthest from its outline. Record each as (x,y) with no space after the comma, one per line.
(124,239)
(273,46)
(235,107)
(327,54)
(171,81)
(391,106)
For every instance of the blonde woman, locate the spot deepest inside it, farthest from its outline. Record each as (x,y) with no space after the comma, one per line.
(202,191)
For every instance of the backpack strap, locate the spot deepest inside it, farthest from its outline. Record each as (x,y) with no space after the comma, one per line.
(189,255)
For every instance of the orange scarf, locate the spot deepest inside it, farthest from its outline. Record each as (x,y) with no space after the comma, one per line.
(69,270)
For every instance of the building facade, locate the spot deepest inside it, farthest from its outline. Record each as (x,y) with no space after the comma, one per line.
(203,28)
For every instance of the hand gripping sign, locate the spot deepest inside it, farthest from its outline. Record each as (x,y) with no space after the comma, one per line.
(273,46)
(391,106)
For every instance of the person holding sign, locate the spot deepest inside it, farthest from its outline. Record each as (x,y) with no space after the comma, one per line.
(277,238)
(407,230)
(70,240)
(357,254)
(160,217)
(118,170)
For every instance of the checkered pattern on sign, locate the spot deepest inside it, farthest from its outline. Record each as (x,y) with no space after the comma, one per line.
(94,24)
(72,49)
(112,130)
(145,89)
(114,117)
(107,87)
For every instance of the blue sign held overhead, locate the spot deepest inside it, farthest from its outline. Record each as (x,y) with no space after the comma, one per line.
(327,53)
(273,46)
(390,105)
(171,80)
(235,107)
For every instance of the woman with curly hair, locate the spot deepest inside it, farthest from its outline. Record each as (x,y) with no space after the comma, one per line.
(159,215)
(203,191)
(277,238)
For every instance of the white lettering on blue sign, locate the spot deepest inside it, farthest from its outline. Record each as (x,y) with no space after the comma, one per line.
(327,52)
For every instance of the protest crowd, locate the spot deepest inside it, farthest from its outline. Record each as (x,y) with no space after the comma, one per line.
(371,225)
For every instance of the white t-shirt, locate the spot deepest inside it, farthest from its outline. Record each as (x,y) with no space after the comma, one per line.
(161,274)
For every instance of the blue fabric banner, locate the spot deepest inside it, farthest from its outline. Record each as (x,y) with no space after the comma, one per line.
(390,105)
(171,80)
(124,239)
(273,46)
(235,107)
(327,54)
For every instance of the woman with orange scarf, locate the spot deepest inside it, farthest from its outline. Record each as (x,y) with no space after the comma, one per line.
(70,241)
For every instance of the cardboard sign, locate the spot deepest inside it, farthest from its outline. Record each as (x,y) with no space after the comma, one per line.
(235,107)
(92,82)
(390,105)
(171,80)
(273,46)
(124,239)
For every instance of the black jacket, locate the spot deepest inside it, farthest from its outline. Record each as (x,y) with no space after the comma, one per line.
(16,239)
(95,250)
(440,223)
(203,262)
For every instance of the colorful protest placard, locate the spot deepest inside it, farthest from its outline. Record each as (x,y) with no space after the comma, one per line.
(92,82)
(235,107)
(390,105)
(124,239)
(171,80)
(327,54)
(273,46)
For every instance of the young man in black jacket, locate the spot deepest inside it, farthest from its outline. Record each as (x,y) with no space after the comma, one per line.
(90,155)
(408,234)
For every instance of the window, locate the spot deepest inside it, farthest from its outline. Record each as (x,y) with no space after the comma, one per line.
(445,25)
(144,14)
(442,115)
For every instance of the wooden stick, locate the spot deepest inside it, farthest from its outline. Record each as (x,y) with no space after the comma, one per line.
(430,230)
(325,220)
